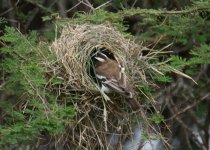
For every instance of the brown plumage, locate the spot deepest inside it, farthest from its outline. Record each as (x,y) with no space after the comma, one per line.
(111,74)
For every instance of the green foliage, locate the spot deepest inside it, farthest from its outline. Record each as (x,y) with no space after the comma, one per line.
(30,108)
(201,55)
(98,17)
(157,118)
(2,20)
(178,62)
(180,30)
(202,4)
(163,78)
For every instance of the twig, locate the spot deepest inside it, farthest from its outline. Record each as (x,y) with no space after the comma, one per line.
(14,51)
(62,8)
(11,14)
(158,12)
(133,4)
(19,55)
(10,9)
(39,5)
(189,107)
(31,18)
(103,5)
(206,127)
(87,3)
(73,7)
(173,109)
(176,4)
(182,74)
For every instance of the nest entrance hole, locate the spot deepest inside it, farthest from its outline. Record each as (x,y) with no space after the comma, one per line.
(92,60)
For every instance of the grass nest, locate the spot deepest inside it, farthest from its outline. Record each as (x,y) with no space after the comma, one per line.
(98,117)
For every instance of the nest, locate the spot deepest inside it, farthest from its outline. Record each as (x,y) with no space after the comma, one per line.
(74,47)
(97,119)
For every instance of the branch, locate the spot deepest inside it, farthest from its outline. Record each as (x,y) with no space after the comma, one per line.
(14,51)
(62,8)
(10,9)
(206,127)
(39,6)
(173,109)
(189,107)
(19,55)
(176,4)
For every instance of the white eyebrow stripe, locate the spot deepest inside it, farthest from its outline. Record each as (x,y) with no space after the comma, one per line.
(100,76)
(103,55)
(100,59)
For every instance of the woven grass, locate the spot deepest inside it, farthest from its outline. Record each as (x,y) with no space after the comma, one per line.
(97,119)
(74,47)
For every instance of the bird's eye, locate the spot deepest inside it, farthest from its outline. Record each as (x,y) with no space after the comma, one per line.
(103,80)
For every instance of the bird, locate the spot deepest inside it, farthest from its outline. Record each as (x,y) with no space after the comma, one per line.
(110,73)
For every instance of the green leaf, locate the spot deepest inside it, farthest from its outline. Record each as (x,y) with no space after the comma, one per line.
(157,118)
